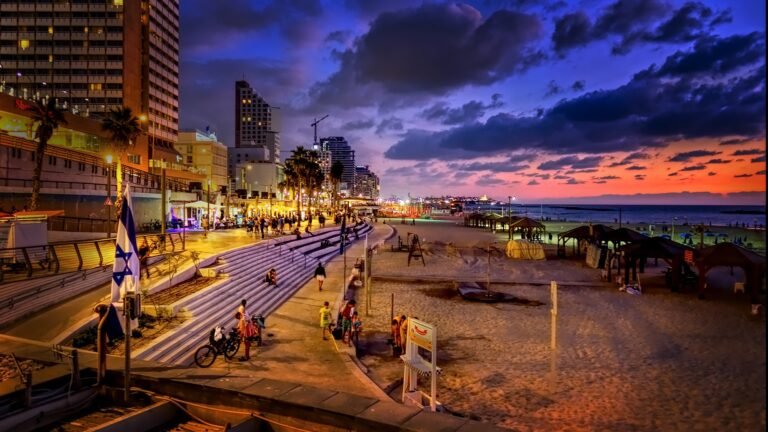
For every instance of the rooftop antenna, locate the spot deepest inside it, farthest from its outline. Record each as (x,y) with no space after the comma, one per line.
(314,125)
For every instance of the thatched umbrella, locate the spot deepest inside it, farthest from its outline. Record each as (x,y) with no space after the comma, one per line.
(729,254)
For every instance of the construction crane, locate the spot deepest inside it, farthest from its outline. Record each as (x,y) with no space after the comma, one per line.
(314,125)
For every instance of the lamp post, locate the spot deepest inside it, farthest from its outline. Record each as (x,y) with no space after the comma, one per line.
(108,203)
(208,214)
(509,217)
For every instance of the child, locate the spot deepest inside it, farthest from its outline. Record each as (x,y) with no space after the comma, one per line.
(320,275)
(245,335)
(325,319)
(357,327)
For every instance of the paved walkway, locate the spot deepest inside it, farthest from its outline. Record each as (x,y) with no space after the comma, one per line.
(296,352)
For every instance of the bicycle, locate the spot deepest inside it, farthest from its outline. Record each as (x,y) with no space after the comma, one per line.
(218,343)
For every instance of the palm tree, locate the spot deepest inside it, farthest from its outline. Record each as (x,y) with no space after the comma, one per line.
(123,129)
(337,171)
(300,168)
(48,118)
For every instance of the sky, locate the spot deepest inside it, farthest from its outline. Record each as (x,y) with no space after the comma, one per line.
(642,101)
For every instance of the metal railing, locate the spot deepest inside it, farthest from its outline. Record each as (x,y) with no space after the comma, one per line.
(63,257)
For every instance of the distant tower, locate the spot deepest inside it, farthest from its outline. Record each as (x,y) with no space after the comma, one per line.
(256,122)
(339,150)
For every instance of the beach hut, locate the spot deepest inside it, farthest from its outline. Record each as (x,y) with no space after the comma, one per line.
(656,247)
(527,227)
(731,255)
(584,233)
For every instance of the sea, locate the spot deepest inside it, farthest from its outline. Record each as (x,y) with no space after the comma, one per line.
(715,215)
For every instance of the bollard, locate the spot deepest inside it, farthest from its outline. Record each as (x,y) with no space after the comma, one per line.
(76,370)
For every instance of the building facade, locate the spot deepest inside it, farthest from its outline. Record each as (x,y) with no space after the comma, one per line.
(203,151)
(92,56)
(338,149)
(257,124)
(366,183)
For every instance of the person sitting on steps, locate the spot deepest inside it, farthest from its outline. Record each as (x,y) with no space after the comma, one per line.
(271,277)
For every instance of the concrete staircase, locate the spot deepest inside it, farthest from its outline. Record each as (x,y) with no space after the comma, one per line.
(244,270)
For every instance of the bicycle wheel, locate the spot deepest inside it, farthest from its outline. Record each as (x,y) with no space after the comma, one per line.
(231,349)
(205,356)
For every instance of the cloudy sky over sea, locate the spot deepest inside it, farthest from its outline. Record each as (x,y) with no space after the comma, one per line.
(541,99)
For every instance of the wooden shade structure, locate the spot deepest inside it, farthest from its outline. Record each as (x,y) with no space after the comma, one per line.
(589,233)
(655,247)
(729,254)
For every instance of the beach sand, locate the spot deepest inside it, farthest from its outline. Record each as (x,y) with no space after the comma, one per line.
(657,361)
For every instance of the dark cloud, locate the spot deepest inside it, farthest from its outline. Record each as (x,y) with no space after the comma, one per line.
(389,124)
(672,198)
(571,161)
(579,85)
(573,181)
(489,180)
(694,168)
(432,49)
(552,89)
(498,167)
(358,125)
(581,171)
(742,175)
(639,176)
(716,56)
(674,174)
(467,113)
(600,182)
(636,168)
(737,141)
(608,177)
(630,158)
(711,173)
(761,172)
(341,37)
(719,161)
(631,22)
(687,156)
(239,19)
(653,108)
(533,183)
(749,152)
(758,159)
(562,177)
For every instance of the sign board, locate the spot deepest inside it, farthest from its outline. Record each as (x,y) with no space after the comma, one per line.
(421,333)
(688,256)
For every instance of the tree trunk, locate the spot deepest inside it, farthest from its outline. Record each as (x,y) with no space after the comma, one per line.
(39,156)
(298,195)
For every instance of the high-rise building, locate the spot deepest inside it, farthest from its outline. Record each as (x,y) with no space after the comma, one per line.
(366,183)
(95,55)
(339,150)
(257,124)
(203,152)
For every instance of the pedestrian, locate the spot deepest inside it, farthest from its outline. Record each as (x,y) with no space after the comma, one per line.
(241,308)
(320,275)
(346,321)
(403,332)
(245,335)
(271,277)
(325,320)
(357,327)
(396,347)
(144,258)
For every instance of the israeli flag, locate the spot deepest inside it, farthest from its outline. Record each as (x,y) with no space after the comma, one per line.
(125,272)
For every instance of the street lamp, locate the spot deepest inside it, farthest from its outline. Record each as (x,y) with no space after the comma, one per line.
(108,202)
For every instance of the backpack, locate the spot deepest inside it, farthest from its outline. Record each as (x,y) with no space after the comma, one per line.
(347,313)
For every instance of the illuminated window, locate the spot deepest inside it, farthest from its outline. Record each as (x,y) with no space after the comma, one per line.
(50,58)
(24,43)
(50,29)
(117,2)
(85,29)
(95,86)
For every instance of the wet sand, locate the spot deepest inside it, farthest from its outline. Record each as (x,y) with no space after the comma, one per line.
(657,361)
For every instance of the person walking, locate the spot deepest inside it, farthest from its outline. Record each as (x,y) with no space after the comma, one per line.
(325,319)
(403,332)
(320,275)
(396,347)
(241,308)
(144,258)
(357,327)
(346,321)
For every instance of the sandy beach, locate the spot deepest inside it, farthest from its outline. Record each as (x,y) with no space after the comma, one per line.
(657,361)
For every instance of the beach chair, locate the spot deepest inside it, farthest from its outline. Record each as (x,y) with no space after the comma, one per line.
(738,286)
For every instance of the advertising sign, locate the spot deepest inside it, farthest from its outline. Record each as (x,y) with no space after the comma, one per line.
(421,333)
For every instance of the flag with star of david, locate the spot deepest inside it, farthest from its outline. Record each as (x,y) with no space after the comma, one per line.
(125,272)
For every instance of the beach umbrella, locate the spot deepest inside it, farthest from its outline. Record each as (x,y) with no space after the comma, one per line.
(685,235)
(710,234)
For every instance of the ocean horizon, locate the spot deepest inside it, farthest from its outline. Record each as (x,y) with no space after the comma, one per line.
(716,215)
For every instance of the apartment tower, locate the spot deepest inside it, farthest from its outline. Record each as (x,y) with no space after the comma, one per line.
(256,124)
(94,55)
(339,150)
